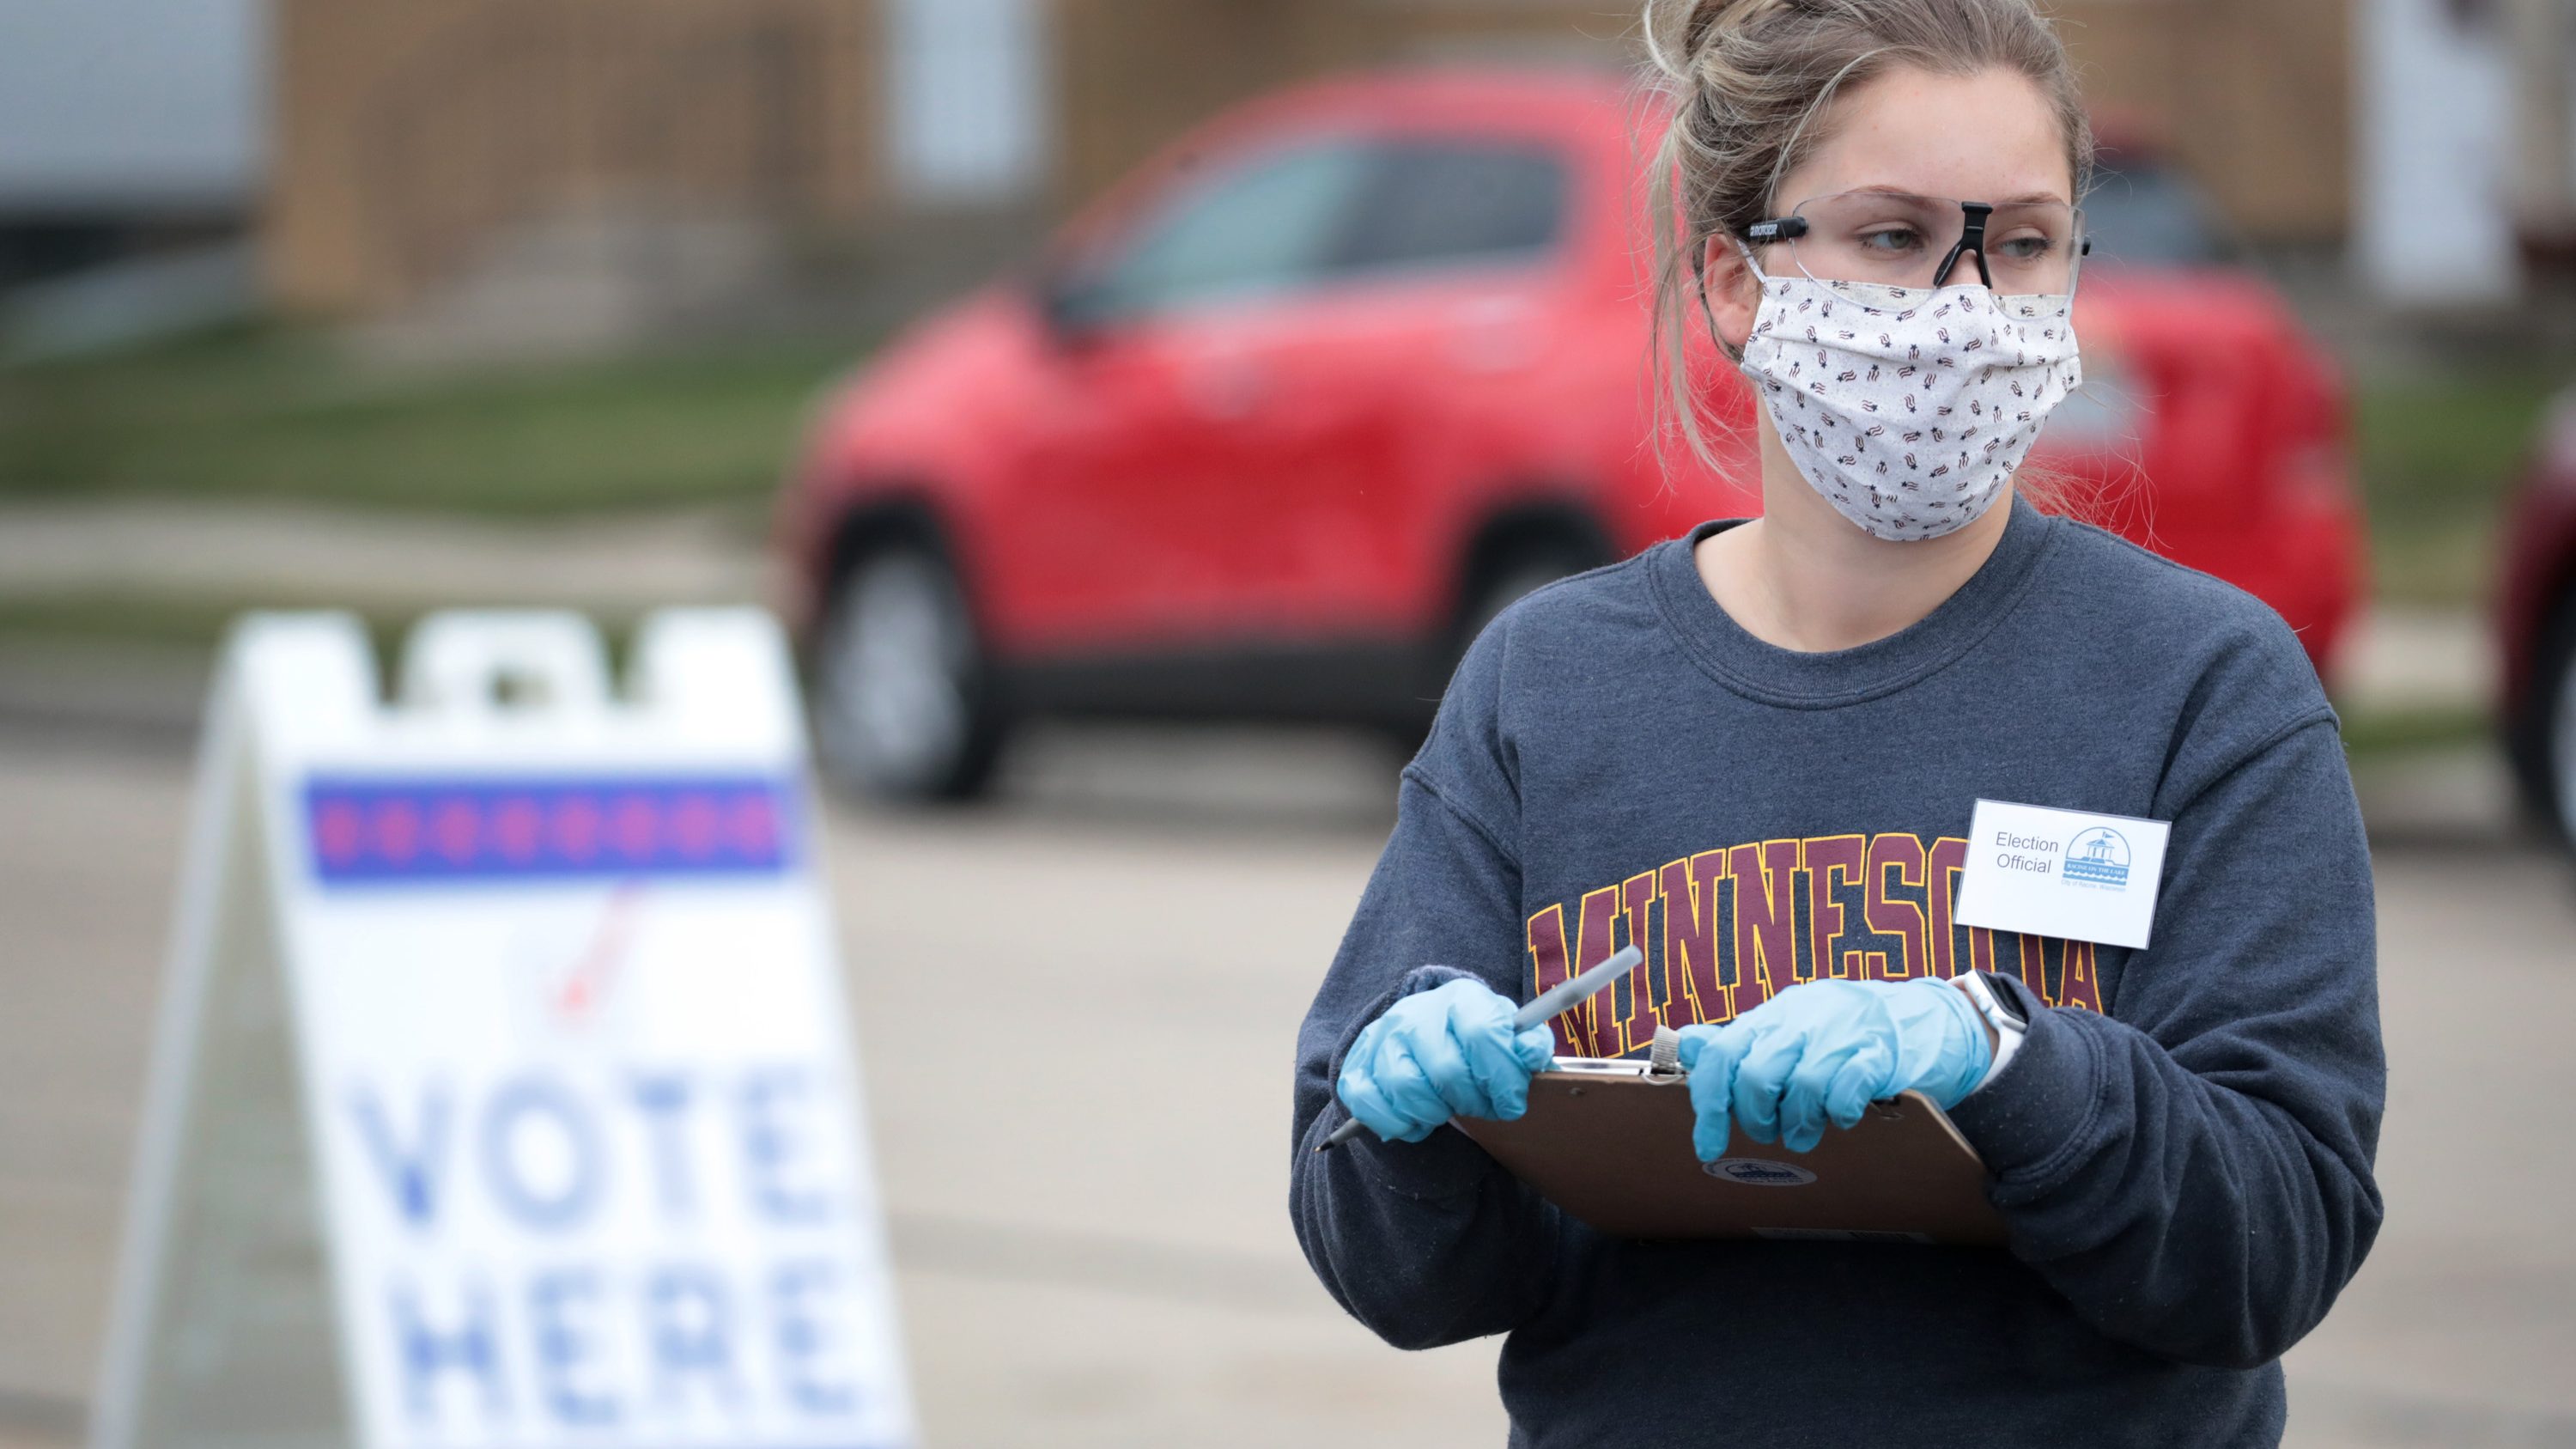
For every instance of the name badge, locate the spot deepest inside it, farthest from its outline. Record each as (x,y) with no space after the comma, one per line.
(2065,873)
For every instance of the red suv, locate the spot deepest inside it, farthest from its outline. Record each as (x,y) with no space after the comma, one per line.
(1287,416)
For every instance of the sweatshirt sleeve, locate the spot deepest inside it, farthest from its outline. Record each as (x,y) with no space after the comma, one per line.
(1427,1243)
(2193,1171)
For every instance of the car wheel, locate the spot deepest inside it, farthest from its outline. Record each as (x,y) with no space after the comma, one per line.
(1495,585)
(901,701)
(1522,572)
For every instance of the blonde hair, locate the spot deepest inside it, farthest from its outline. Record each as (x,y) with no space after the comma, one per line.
(1753,80)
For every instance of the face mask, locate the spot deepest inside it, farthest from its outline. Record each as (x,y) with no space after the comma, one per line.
(1908,408)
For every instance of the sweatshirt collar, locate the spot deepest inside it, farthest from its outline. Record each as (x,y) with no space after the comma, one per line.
(1797,680)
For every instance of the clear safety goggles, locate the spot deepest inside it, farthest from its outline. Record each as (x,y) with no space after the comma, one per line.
(1891,239)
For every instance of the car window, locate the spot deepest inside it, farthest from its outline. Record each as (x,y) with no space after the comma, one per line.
(2143,214)
(1333,211)
(1434,202)
(1265,226)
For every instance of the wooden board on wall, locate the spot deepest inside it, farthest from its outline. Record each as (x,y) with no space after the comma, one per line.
(2254,100)
(408,134)
(1134,74)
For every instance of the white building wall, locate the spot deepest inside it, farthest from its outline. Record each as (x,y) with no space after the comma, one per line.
(131,104)
(2435,224)
(970,96)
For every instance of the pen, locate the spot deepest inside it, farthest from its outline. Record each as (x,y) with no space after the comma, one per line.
(1544,1007)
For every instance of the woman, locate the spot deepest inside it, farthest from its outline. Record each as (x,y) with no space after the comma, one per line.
(1755,752)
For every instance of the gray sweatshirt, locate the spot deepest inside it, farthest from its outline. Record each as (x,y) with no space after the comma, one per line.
(2181,1147)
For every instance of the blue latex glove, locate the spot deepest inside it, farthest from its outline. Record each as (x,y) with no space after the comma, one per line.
(1446,1052)
(1823,1051)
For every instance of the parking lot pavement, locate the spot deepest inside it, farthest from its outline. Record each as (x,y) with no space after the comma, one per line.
(1091,1239)
(2461,1328)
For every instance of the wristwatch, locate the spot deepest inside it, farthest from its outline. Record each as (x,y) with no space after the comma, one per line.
(2009,1026)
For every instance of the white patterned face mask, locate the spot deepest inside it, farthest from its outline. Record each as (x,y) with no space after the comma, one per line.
(1909,408)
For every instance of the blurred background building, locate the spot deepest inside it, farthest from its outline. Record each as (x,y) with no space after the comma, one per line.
(2469,184)
(430,150)
(134,149)
(124,124)
(589,168)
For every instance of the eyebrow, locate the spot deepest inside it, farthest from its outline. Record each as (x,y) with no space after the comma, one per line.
(2027,198)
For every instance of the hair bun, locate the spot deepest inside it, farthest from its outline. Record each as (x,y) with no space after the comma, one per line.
(1678,31)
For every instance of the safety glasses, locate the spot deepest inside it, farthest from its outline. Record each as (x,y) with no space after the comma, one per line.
(1892,239)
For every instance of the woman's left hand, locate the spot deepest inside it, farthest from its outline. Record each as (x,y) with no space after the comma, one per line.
(1823,1051)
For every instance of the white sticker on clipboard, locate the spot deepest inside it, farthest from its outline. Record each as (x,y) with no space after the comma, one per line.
(2071,874)
(1758,1172)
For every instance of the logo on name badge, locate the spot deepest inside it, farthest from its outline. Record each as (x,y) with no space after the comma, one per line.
(2099,858)
(1758,1172)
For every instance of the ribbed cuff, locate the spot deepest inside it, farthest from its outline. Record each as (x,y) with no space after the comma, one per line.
(1444,1164)
(2028,1124)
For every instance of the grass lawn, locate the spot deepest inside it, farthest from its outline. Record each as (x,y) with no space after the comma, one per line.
(2438,457)
(283,415)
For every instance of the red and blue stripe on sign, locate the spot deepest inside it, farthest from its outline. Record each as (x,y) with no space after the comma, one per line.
(365,830)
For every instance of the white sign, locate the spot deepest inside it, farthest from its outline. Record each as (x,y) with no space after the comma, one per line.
(2064,873)
(553,1136)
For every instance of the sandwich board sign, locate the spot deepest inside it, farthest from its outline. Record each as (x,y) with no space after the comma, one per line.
(502,1096)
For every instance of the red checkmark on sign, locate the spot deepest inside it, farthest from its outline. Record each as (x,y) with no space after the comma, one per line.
(592,974)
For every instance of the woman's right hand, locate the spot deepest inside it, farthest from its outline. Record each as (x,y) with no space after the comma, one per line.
(1446,1052)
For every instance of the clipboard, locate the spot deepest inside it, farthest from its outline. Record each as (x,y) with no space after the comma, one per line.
(1610,1143)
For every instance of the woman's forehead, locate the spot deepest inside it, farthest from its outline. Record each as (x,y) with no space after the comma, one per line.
(1992,136)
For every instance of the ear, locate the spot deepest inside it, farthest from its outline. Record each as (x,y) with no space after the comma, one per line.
(1732,291)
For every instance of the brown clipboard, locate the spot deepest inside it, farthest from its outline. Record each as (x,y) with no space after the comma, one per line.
(1610,1143)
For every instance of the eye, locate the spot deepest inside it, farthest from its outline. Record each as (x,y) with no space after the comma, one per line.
(1892,239)
(2026,248)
